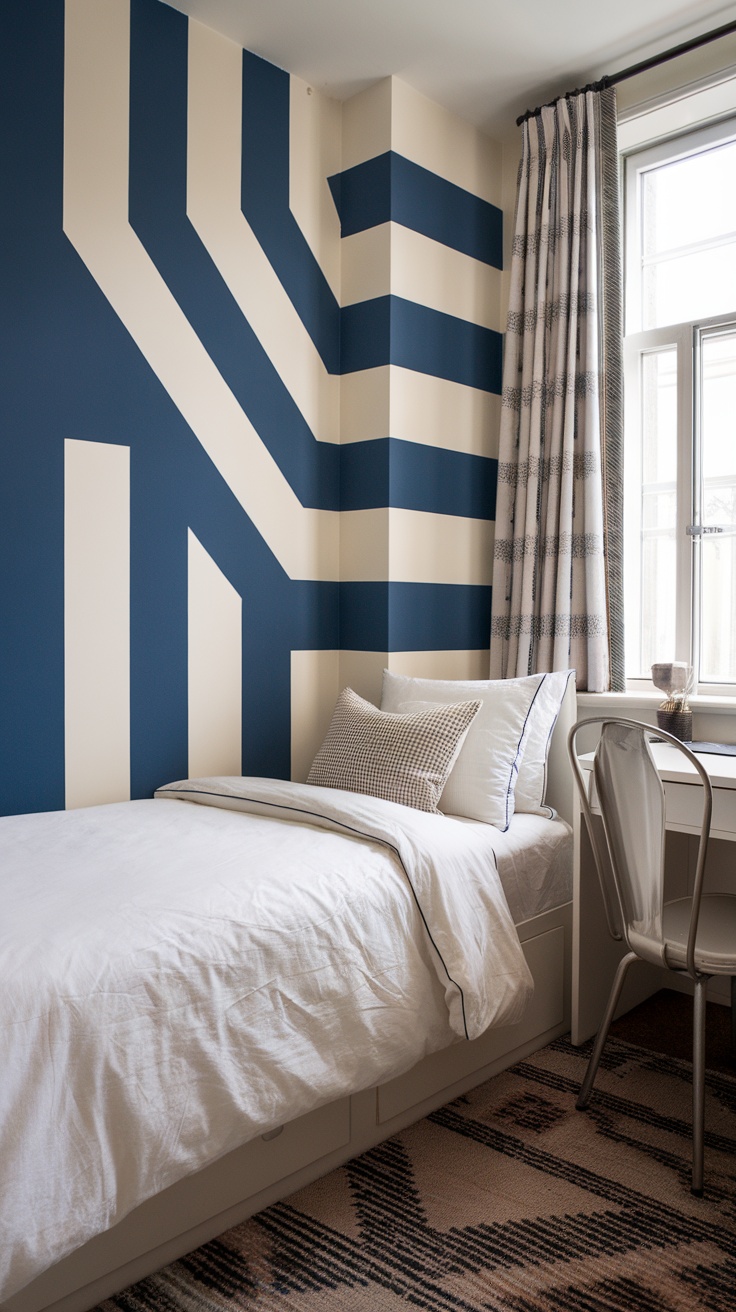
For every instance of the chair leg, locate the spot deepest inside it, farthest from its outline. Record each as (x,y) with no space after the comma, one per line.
(618,983)
(733,1015)
(698,1085)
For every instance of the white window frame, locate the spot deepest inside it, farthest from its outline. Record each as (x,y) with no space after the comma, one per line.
(685,339)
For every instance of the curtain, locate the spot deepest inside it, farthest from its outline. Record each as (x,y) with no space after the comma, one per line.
(557,572)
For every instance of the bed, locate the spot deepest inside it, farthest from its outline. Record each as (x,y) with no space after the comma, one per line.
(244,1036)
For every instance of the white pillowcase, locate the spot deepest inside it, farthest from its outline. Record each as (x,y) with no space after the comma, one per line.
(531,784)
(482,780)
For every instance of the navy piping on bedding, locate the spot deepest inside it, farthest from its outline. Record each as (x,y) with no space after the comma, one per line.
(350,829)
(514,771)
(551,809)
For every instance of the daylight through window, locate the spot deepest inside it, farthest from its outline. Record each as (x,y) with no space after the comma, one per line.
(680,363)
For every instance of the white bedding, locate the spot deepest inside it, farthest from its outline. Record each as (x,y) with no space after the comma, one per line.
(534,858)
(177,978)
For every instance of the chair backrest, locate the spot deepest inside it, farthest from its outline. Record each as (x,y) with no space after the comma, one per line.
(630,850)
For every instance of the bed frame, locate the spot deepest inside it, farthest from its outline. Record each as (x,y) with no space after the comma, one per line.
(205,1204)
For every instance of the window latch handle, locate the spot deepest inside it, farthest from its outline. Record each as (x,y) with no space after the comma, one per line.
(699,530)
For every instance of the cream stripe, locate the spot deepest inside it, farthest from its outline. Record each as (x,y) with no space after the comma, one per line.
(366,123)
(395,402)
(366,265)
(363,672)
(96,622)
(314,689)
(440,664)
(443,413)
(408,547)
(365,405)
(440,548)
(432,274)
(315,123)
(95,219)
(213,205)
(215,667)
(393,259)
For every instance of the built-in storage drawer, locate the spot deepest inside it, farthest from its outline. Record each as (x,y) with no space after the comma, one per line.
(264,1160)
(545,955)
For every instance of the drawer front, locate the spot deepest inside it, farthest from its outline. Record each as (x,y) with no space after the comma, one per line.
(685,808)
(545,955)
(269,1158)
(243,1172)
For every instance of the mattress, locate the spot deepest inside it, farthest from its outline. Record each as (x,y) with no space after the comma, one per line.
(534,859)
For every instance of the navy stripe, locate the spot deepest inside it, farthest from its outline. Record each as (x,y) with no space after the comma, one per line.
(410,475)
(414,617)
(36,346)
(390,187)
(391,330)
(265,204)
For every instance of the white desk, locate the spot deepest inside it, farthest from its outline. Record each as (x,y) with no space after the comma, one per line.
(595,953)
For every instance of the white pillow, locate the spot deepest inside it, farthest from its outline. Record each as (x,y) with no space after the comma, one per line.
(481,782)
(531,784)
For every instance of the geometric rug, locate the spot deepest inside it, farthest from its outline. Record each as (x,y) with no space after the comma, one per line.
(505,1199)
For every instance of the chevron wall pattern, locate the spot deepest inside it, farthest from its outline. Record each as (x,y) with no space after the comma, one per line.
(251,371)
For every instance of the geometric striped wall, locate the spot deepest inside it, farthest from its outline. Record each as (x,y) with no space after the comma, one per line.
(250,392)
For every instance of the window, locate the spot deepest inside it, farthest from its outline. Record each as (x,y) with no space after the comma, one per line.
(680,430)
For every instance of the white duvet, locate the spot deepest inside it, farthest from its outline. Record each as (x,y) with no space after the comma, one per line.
(180,974)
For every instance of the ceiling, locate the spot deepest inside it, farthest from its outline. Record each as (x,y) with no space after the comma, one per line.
(486,60)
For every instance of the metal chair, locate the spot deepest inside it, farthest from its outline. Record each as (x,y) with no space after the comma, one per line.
(693,935)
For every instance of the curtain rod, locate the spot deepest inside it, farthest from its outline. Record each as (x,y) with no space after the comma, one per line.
(611,79)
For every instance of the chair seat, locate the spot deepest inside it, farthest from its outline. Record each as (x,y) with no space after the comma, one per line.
(715,946)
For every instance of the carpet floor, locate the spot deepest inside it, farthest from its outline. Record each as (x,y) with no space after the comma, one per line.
(505,1199)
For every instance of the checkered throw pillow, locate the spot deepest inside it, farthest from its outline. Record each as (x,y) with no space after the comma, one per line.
(402,758)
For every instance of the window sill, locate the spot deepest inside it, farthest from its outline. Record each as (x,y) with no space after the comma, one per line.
(620,702)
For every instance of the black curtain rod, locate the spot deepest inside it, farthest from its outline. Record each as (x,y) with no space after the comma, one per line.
(611,79)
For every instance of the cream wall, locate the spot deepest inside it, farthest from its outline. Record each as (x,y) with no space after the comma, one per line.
(419,408)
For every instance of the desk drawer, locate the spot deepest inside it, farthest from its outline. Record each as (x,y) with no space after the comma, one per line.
(685,809)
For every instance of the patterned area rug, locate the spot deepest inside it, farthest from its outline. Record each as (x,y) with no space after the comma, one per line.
(505,1199)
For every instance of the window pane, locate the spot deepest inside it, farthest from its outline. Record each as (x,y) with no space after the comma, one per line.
(718,637)
(718,417)
(688,237)
(658,508)
(672,197)
(718,552)
(690,287)
(659,416)
(657,600)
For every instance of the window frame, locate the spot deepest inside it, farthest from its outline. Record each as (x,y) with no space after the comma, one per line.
(685,338)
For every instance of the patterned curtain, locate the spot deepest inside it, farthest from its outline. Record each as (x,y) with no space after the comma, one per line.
(557,576)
